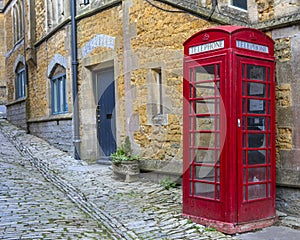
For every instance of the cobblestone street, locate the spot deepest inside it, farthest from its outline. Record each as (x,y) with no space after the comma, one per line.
(33,208)
(46,194)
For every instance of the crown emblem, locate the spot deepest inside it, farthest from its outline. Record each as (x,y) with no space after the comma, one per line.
(205,37)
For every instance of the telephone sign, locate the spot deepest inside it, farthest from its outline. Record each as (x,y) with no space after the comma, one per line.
(229,129)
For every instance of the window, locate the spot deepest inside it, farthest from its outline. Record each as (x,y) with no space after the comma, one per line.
(20,85)
(157,92)
(18,25)
(240,4)
(157,110)
(58,92)
(55,12)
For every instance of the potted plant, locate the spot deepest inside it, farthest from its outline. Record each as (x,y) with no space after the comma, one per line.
(124,163)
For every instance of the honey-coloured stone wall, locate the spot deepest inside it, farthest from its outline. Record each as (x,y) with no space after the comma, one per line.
(3,98)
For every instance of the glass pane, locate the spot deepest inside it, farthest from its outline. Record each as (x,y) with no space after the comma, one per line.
(191,155)
(257,157)
(205,140)
(205,123)
(218,174)
(269,140)
(61,96)
(54,97)
(218,192)
(268,107)
(256,140)
(244,89)
(23,84)
(257,174)
(205,106)
(205,89)
(256,123)
(269,156)
(207,156)
(244,157)
(245,141)
(256,72)
(218,71)
(245,105)
(204,73)
(256,89)
(256,191)
(256,106)
(204,190)
(240,4)
(205,173)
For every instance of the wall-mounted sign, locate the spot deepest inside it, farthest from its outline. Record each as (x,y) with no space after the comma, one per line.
(252,46)
(206,47)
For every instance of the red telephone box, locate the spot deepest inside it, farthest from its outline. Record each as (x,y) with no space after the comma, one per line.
(229,129)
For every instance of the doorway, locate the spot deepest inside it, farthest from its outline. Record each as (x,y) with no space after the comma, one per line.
(105,112)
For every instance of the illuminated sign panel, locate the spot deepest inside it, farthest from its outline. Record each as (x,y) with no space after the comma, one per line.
(252,46)
(206,47)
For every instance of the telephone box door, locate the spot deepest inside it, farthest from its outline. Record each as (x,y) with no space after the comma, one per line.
(256,139)
(204,111)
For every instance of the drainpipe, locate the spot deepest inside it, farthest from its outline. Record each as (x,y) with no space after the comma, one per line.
(76,135)
(25,67)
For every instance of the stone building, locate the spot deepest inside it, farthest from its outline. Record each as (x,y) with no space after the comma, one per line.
(2,58)
(129,75)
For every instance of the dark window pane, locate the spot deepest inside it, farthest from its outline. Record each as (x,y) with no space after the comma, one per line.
(240,4)
(257,157)
(256,72)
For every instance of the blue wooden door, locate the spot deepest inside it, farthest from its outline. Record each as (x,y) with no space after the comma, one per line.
(106,112)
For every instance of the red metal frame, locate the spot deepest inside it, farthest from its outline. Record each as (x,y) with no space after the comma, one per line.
(230,190)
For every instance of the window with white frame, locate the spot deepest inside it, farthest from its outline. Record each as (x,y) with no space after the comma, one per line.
(240,4)
(20,82)
(17,18)
(59,103)
(55,12)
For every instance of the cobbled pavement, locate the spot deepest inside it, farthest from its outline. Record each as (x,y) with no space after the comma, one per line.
(58,197)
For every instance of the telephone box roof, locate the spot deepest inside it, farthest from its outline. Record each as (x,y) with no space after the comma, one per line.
(230,29)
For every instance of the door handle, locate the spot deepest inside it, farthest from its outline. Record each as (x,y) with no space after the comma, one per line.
(239,122)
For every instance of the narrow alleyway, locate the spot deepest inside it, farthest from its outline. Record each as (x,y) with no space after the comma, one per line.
(46,194)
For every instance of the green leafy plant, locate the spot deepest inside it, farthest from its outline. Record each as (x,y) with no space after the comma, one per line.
(167,183)
(123,153)
(210,229)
